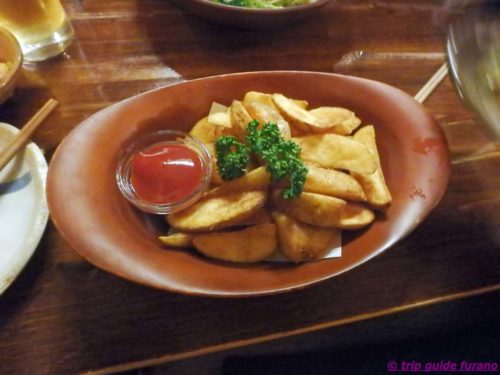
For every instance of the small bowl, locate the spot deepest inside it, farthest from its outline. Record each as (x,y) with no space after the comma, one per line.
(163,137)
(249,18)
(10,54)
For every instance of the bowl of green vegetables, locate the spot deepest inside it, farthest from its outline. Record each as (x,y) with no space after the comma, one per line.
(252,14)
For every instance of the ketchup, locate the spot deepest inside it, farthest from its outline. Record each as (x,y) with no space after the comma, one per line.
(165,173)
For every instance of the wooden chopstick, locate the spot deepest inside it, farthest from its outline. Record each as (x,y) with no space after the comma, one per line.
(431,84)
(24,134)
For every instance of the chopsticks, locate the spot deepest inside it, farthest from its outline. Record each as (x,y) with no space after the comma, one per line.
(22,137)
(431,84)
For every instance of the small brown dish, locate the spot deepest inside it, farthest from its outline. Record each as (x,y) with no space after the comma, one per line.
(100,224)
(11,59)
(249,18)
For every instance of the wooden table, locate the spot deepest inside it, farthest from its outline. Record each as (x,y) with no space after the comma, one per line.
(63,315)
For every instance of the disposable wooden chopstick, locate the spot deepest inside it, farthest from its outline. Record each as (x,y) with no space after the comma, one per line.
(24,134)
(429,87)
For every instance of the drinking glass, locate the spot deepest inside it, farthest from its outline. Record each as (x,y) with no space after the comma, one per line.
(473,50)
(41,26)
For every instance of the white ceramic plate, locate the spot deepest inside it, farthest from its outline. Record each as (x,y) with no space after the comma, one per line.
(23,207)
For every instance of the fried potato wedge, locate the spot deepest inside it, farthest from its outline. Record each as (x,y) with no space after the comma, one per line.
(295,114)
(179,239)
(261,107)
(324,211)
(204,131)
(239,119)
(215,178)
(248,245)
(218,212)
(301,242)
(256,96)
(335,120)
(261,217)
(332,182)
(264,114)
(257,179)
(374,185)
(260,97)
(219,115)
(337,152)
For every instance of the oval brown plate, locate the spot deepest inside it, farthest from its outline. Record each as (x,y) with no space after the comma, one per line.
(249,18)
(103,227)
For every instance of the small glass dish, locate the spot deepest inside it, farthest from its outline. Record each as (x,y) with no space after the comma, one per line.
(127,180)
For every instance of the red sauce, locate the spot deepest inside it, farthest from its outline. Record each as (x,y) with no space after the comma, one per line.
(166,173)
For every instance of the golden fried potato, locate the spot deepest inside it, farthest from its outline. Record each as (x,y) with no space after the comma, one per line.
(373,184)
(239,119)
(261,217)
(301,103)
(178,239)
(261,107)
(257,179)
(218,212)
(325,211)
(296,115)
(219,115)
(337,152)
(332,182)
(248,245)
(256,96)
(335,120)
(215,178)
(301,242)
(260,97)
(204,131)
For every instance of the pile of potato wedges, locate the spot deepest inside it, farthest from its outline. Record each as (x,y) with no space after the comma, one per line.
(247,219)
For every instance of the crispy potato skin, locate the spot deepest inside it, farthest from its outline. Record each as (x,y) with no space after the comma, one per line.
(257,179)
(294,113)
(335,120)
(248,245)
(204,131)
(239,119)
(180,239)
(301,242)
(325,211)
(374,185)
(336,152)
(218,212)
(334,183)
(261,107)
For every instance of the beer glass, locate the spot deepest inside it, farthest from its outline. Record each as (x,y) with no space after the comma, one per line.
(41,26)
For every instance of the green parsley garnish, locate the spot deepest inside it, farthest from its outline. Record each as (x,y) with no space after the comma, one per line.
(282,157)
(232,157)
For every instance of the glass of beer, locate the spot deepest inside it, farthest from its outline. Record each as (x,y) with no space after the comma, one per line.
(41,26)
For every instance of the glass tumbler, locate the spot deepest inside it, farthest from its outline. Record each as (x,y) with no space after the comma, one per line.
(41,26)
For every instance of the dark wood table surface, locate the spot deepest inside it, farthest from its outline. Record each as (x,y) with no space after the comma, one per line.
(63,315)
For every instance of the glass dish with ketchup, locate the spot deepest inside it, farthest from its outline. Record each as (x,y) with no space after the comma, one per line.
(164,171)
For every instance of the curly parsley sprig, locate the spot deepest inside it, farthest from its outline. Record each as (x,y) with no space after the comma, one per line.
(282,157)
(232,157)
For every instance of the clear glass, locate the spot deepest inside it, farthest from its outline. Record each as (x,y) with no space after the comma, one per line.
(473,50)
(123,172)
(41,27)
